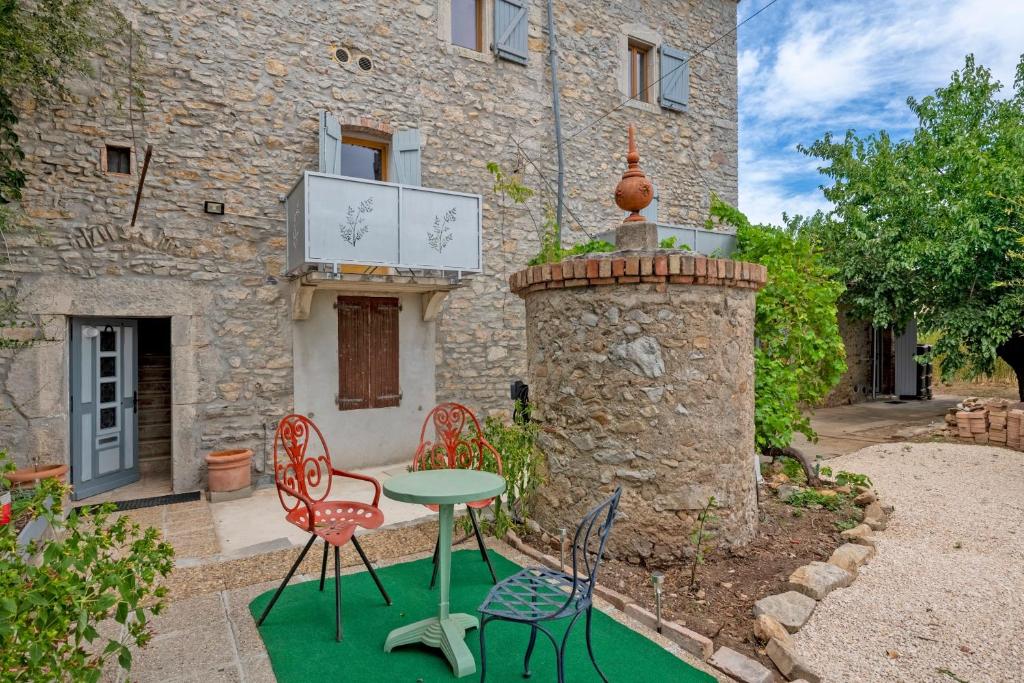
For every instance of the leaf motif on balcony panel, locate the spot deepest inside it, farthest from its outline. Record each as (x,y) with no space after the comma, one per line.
(441,235)
(355,225)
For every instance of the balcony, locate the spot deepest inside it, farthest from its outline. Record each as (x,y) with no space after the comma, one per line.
(336,220)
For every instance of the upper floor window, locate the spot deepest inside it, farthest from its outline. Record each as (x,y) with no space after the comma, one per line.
(364,158)
(640,68)
(467,17)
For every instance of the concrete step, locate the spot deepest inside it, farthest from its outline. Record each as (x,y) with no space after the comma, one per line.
(154,416)
(158,401)
(150,432)
(149,467)
(154,448)
(155,386)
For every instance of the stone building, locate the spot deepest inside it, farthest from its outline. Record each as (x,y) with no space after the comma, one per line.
(149,344)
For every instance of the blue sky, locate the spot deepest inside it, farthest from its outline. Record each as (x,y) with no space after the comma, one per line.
(811,66)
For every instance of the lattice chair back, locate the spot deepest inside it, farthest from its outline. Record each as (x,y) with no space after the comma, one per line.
(302,463)
(589,541)
(457,441)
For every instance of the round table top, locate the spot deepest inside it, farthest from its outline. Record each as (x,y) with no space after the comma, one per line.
(443,487)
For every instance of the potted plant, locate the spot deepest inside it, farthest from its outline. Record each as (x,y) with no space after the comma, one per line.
(56,591)
(30,476)
(229,470)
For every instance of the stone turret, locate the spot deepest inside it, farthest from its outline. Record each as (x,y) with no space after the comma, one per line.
(641,371)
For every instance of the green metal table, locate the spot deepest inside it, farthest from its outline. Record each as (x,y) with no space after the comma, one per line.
(444,488)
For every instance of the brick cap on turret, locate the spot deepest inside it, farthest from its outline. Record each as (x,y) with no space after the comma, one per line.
(628,268)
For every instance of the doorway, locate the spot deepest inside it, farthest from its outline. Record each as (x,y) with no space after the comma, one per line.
(120,407)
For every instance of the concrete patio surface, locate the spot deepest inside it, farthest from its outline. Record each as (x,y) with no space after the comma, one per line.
(257,523)
(845,429)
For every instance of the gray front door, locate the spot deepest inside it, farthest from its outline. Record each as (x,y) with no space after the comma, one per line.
(104,433)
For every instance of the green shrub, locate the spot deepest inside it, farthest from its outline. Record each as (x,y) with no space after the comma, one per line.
(522,466)
(671,243)
(97,568)
(809,497)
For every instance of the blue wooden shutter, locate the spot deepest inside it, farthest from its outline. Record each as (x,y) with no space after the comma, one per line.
(511,24)
(330,144)
(675,78)
(650,212)
(405,157)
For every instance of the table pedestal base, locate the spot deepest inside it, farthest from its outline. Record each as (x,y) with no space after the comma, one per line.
(447,634)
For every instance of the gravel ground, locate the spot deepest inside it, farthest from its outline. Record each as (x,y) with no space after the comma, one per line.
(944,598)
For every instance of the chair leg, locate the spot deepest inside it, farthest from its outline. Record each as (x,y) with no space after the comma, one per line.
(287,578)
(483,650)
(337,593)
(590,647)
(480,542)
(560,651)
(323,566)
(437,548)
(529,652)
(376,579)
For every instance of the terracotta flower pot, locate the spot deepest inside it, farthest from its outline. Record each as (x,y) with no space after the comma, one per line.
(229,470)
(28,476)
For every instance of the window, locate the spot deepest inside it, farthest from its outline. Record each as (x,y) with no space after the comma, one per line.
(639,71)
(118,160)
(467,24)
(368,352)
(362,158)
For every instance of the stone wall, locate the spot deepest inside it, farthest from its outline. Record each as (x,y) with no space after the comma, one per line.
(642,375)
(855,384)
(232,94)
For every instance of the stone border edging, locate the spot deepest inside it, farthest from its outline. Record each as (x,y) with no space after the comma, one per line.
(669,268)
(779,647)
(812,583)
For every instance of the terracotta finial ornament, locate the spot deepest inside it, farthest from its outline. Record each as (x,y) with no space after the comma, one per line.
(634,192)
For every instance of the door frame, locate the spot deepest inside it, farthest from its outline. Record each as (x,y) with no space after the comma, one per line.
(81,489)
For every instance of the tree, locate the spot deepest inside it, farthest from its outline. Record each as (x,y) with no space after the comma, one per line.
(928,227)
(799,355)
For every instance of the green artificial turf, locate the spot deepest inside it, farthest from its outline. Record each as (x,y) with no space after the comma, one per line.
(299,633)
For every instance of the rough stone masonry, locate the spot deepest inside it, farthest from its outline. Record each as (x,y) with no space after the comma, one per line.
(232,95)
(642,375)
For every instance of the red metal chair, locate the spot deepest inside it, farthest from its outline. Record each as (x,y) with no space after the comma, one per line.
(458,443)
(303,473)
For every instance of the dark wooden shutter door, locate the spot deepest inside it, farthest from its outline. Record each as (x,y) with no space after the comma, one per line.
(384,386)
(353,354)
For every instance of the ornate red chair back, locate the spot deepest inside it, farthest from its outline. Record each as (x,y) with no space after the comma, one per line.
(457,442)
(302,462)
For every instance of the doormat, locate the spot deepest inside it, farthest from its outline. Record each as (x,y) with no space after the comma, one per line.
(896,403)
(170,499)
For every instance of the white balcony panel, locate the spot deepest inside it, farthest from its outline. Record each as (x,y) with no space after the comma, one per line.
(439,229)
(340,220)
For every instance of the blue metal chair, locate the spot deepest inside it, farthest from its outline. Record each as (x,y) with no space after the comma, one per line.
(538,594)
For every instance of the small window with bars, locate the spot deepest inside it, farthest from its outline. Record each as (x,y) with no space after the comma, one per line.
(368,352)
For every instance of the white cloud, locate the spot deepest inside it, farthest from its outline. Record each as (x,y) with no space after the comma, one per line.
(807,67)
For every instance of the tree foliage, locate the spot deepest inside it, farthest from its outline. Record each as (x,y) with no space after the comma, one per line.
(799,355)
(928,227)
